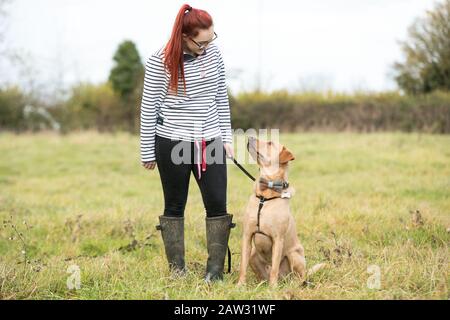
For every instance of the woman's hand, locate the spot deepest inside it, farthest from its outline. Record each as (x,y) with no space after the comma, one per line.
(229,149)
(149,165)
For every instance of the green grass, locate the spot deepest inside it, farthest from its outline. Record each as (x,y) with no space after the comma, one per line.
(354,196)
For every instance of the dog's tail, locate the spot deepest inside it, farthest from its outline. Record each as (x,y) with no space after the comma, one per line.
(315,268)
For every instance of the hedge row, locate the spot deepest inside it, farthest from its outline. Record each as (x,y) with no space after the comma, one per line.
(97,107)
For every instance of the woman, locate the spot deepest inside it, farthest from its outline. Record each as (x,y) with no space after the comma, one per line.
(188,120)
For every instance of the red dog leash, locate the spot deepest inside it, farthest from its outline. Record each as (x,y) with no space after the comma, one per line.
(201,157)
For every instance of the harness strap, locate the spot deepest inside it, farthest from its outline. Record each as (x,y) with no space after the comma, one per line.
(261,204)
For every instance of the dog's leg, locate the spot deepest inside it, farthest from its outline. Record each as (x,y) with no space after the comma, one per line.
(258,266)
(277,250)
(297,262)
(285,268)
(245,256)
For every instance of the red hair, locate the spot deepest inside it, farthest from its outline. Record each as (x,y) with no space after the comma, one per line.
(189,23)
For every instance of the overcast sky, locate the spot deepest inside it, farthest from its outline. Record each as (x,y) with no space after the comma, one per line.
(343,45)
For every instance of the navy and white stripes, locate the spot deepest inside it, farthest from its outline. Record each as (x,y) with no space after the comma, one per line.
(203,111)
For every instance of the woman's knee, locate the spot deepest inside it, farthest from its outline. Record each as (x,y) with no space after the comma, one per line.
(216,208)
(174,210)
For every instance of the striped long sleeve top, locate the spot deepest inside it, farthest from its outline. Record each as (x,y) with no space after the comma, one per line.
(202,112)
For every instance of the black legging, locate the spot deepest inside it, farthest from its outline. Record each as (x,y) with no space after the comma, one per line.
(175,176)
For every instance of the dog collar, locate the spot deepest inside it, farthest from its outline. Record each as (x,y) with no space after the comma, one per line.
(277,185)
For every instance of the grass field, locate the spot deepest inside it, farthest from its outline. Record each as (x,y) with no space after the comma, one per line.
(84,199)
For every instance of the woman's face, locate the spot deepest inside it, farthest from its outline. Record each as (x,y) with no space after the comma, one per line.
(203,36)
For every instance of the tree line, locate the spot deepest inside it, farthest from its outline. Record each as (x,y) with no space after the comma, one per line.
(422,102)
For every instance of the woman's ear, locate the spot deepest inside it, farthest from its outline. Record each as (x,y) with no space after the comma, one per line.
(286,155)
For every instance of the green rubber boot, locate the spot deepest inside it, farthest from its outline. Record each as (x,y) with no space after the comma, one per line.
(217,235)
(172,231)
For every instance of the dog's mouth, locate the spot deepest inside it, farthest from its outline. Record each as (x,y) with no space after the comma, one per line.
(254,152)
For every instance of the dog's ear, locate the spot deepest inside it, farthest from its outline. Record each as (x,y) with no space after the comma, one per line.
(286,155)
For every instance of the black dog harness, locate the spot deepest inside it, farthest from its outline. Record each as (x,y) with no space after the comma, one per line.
(261,204)
(276,185)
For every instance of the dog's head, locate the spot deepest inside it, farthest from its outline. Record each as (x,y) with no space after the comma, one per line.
(269,153)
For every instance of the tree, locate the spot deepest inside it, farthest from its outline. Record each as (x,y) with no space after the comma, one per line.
(126,79)
(427,52)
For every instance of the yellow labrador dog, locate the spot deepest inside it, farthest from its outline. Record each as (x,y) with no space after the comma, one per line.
(270,244)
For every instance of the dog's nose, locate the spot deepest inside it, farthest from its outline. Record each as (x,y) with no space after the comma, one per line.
(251,142)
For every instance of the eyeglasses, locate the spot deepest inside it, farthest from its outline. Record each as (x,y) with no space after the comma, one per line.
(203,44)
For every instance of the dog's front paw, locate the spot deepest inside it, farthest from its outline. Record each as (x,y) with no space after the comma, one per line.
(241,283)
(273,283)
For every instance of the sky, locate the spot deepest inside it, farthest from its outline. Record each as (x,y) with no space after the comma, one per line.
(343,45)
